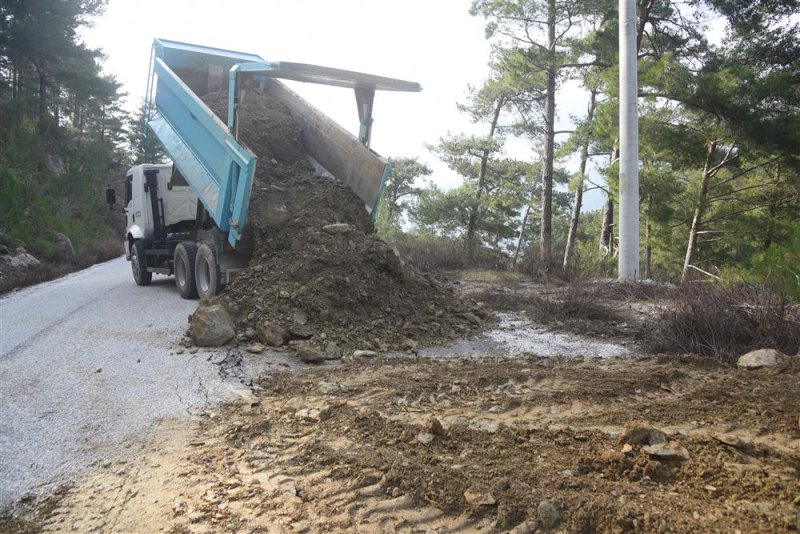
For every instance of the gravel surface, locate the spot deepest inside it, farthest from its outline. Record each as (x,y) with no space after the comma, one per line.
(87,365)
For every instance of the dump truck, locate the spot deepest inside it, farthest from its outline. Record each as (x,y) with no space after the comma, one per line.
(189,218)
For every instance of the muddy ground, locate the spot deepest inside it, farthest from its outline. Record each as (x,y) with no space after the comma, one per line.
(641,443)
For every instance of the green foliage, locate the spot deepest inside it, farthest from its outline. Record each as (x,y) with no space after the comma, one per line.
(62,131)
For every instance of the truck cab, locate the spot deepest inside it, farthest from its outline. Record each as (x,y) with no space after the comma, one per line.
(177,204)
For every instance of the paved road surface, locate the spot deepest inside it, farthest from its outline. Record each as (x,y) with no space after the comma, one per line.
(85,366)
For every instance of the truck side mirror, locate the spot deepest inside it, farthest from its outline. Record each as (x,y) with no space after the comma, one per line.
(111,197)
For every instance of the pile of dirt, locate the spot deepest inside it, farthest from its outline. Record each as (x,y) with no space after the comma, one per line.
(320,276)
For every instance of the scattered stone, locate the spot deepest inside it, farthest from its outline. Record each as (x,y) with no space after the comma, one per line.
(548,514)
(194,350)
(657,472)
(272,334)
(258,348)
(476,497)
(364,354)
(332,351)
(667,451)
(731,440)
(301,331)
(336,229)
(472,318)
(307,354)
(434,426)
(503,484)
(425,438)
(276,214)
(410,344)
(313,415)
(643,435)
(211,325)
(771,359)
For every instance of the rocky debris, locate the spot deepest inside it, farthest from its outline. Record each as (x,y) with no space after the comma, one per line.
(548,514)
(211,324)
(272,334)
(730,440)
(315,252)
(667,451)
(332,351)
(640,435)
(336,229)
(425,438)
(477,497)
(434,427)
(771,359)
(308,354)
(275,214)
(257,348)
(364,354)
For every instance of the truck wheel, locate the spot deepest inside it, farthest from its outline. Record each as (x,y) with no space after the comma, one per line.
(183,265)
(206,271)
(141,275)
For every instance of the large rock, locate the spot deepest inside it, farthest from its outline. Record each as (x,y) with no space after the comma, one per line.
(19,259)
(763,359)
(211,325)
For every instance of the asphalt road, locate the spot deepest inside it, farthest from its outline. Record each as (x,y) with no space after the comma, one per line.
(87,365)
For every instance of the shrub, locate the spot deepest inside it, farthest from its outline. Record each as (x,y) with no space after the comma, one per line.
(724,322)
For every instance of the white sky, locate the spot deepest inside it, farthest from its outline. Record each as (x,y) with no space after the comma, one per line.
(433,42)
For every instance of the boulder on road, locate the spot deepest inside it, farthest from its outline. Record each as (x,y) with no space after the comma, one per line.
(763,359)
(211,325)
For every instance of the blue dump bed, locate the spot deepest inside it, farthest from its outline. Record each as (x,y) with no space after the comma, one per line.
(205,150)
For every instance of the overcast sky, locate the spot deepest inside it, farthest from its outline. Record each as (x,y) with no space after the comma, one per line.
(433,42)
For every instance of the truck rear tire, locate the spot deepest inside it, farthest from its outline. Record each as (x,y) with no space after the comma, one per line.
(184,265)
(141,275)
(206,271)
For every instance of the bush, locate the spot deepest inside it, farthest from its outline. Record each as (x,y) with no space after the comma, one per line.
(443,254)
(725,322)
(575,303)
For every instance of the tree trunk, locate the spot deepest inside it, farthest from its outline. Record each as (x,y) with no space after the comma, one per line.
(698,212)
(545,244)
(648,251)
(522,233)
(474,216)
(607,229)
(42,95)
(576,204)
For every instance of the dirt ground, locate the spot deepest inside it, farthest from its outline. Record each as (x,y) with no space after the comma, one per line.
(643,443)
(487,445)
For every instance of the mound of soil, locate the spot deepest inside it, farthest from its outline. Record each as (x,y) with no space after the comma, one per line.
(319,273)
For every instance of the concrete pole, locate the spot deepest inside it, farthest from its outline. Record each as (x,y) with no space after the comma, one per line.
(628,268)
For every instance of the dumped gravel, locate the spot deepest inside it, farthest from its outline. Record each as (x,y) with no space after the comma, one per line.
(320,278)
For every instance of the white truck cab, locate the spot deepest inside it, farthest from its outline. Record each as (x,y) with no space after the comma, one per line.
(177,203)
(169,232)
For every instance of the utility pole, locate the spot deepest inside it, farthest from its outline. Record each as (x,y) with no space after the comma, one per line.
(628,267)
